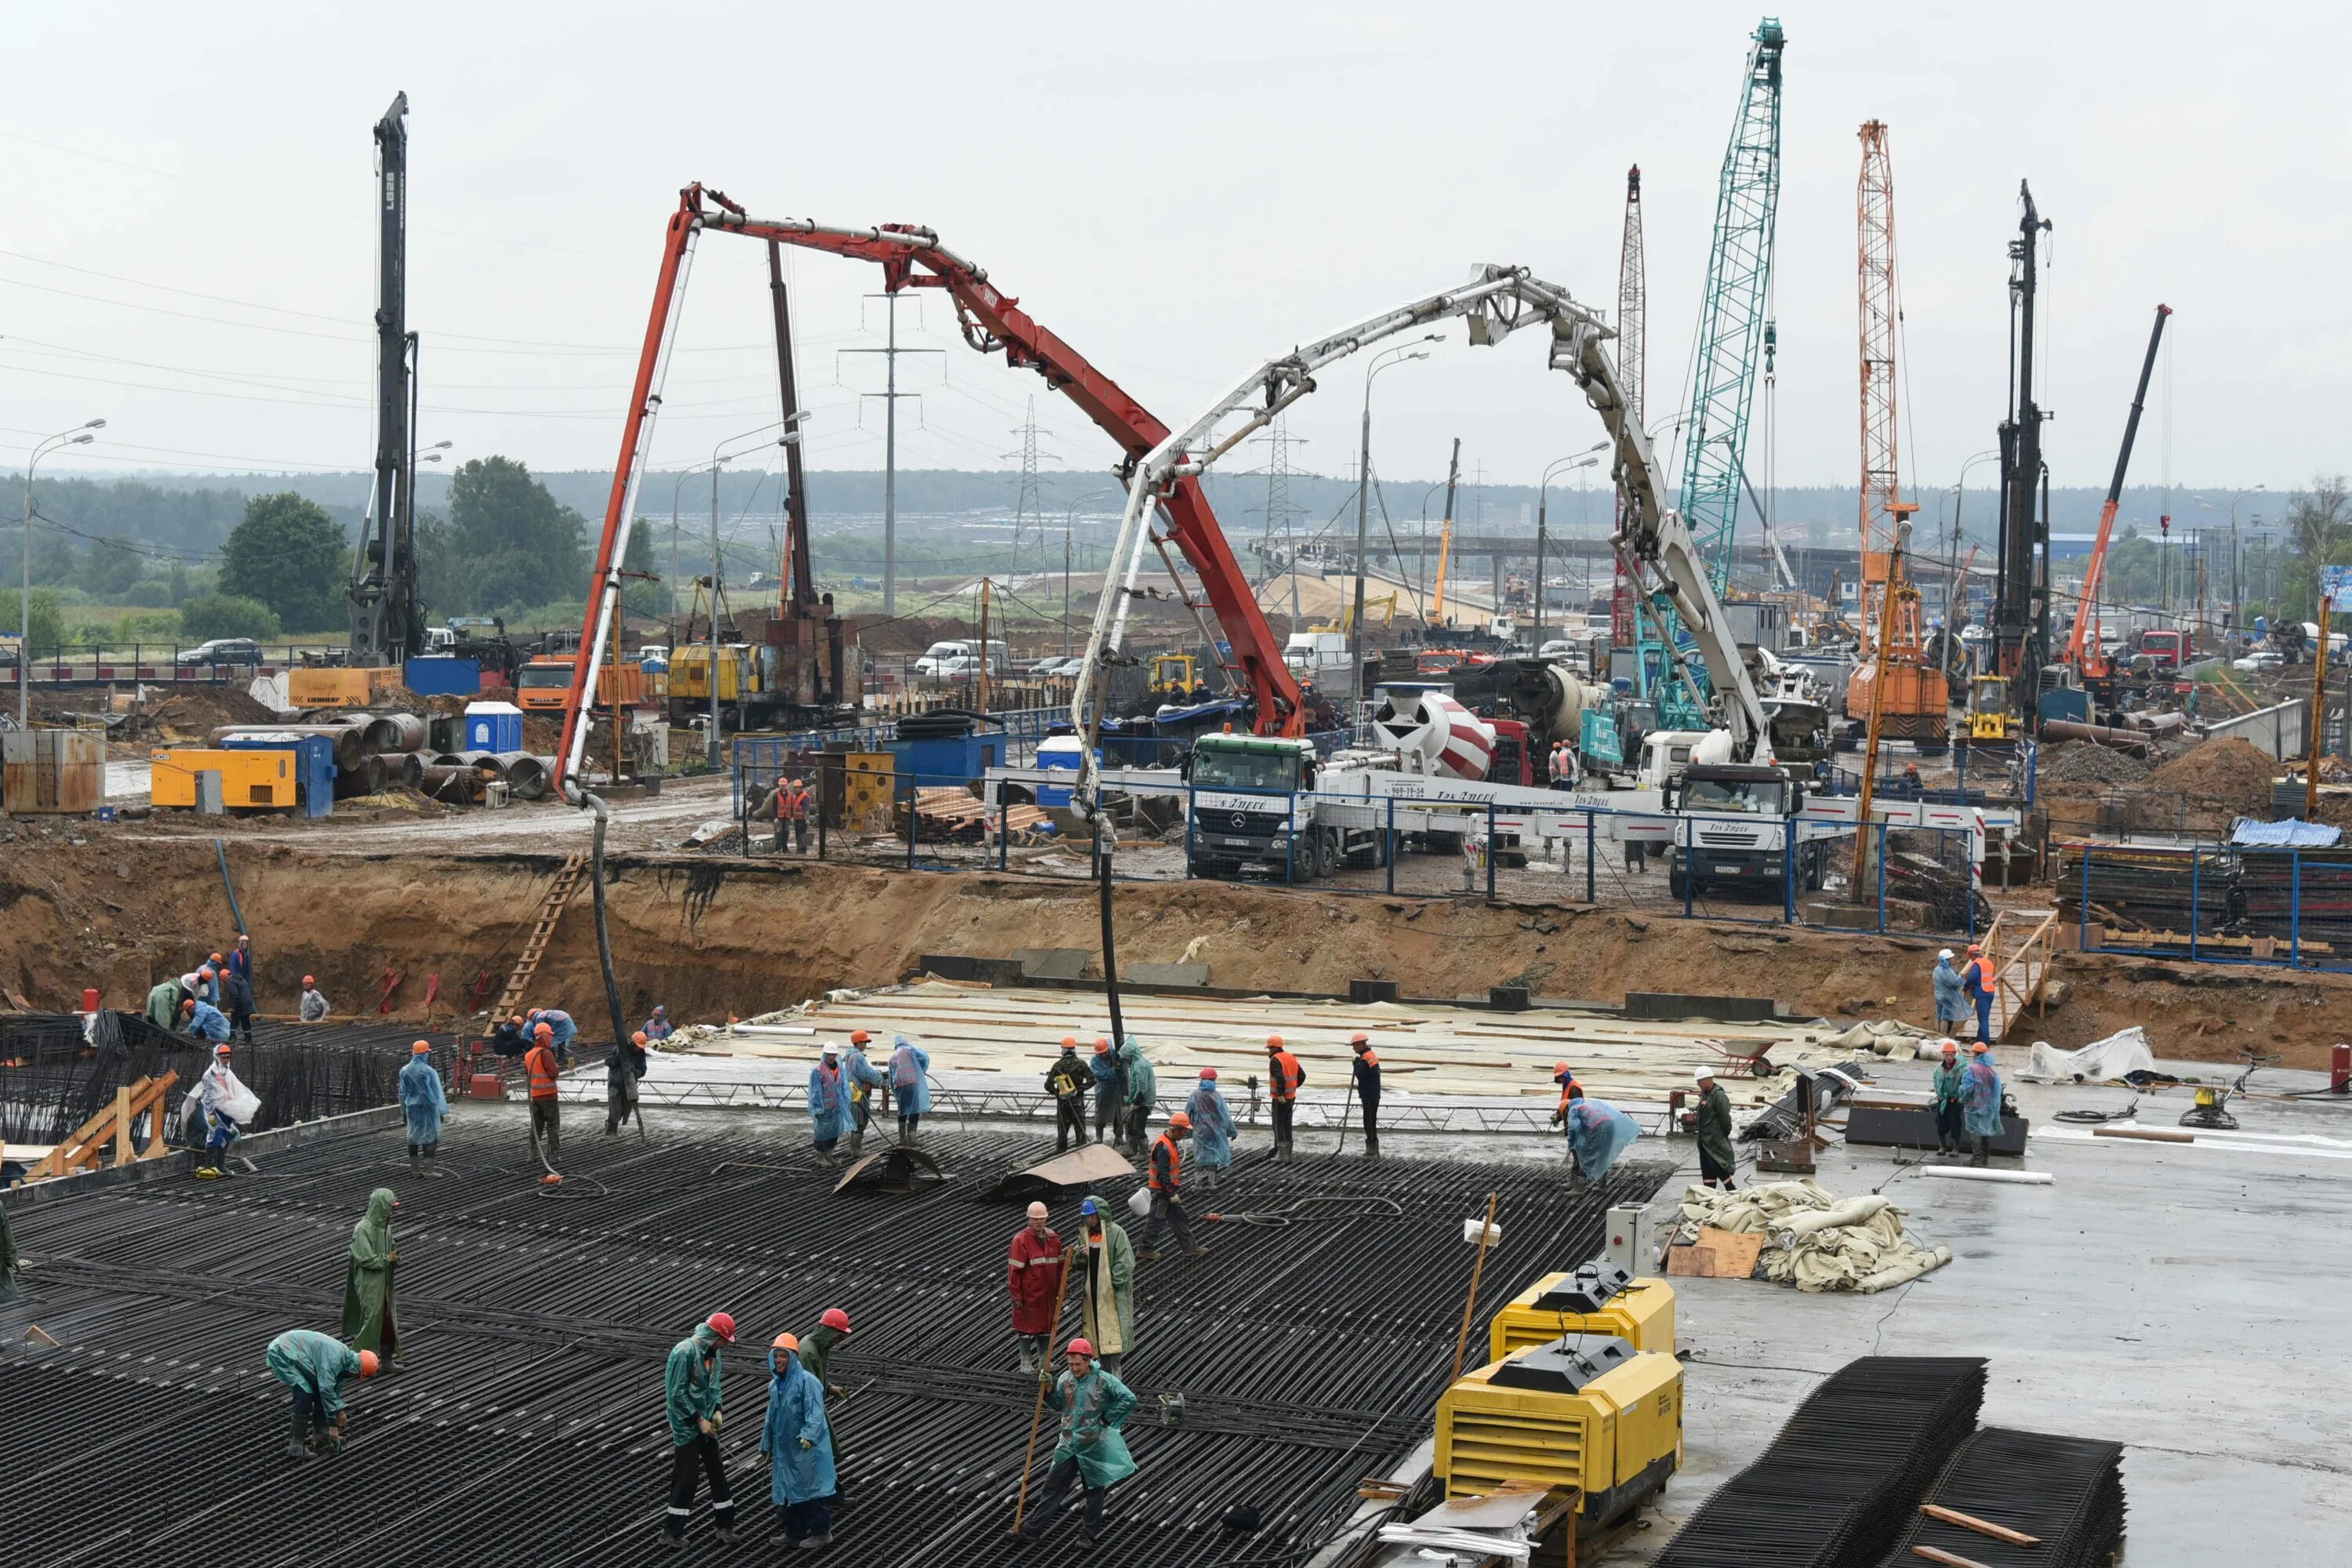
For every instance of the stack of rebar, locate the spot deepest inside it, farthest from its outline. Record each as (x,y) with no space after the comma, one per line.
(1272,1373)
(1845,1476)
(2149,887)
(2065,1493)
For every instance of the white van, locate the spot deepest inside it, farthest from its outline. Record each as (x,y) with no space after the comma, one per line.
(1311,654)
(954,661)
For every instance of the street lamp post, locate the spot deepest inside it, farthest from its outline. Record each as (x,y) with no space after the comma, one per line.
(78,436)
(1543,502)
(2236,585)
(1397,355)
(1954,599)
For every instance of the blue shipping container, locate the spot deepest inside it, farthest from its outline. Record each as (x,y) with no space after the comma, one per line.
(443,676)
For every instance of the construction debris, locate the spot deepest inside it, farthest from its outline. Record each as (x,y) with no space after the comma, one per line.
(1818,1242)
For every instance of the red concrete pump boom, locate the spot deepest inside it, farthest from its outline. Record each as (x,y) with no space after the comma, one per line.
(912,256)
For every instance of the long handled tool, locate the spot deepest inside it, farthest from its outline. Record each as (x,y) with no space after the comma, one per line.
(1044,1374)
(1470,1307)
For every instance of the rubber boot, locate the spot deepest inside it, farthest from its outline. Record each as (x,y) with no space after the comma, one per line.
(433,1162)
(416,1161)
(1978,1158)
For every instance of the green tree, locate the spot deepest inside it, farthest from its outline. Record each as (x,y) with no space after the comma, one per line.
(440,574)
(639,596)
(152,625)
(112,567)
(210,615)
(48,624)
(517,544)
(288,556)
(2319,527)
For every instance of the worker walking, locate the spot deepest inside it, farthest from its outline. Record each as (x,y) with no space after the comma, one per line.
(1977,980)
(205,1021)
(1166,1182)
(314,1367)
(865,1079)
(313,1007)
(911,1082)
(1950,1090)
(692,1399)
(1716,1159)
(546,1112)
(1597,1135)
(1142,1090)
(1108,1100)
(1951,1008)
(1066,1081)
(1032,1274)
(1283,1077)
(1213,1130)
(1367,1069)
(221,1103)
(423,1103)
(828,1100)
(1092,1403)
(1981,1103)
(799,1446)
(1106,1308)
(367,1280)
(622,1075)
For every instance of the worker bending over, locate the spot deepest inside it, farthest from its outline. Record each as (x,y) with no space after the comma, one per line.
(205,1021)
(865,1079)
(423,1104)
(1718,1160)
(799,1446)
(1284,1076)
(1032,1274)
(622,1075)
(367,1323)
(1107,1305)
(163,999)
(314,1367)
(692,1399)
(313,1007)
(1066,1081)
(1109,1093)
(1213,1130)
(546,1113)
(910,1082)
(1597,1135)
(1092,1403)
(1167,1192)
(562,1025)
(1367,1069)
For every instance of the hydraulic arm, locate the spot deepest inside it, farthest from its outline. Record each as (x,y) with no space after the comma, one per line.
(2086,607)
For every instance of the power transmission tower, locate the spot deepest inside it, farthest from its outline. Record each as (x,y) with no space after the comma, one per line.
(1279,510)
(1026,501)
(890,350)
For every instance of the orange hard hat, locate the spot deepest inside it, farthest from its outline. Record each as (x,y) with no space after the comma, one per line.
(1274,1042)
(206,972)
(858,1037)
(216,958)
(420,1048)
(785,1342)
(1069,1042)
(1102,1047)
(187,1004)
(544,1031)
(310,980)
(1951,1048)
(1360,1038)
(1180,1120)
(368,1363)
(1975,947)
(638,1038)
(1082,1346)
(1979,1049)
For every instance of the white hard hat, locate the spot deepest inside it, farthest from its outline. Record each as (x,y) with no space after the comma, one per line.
(831,1049)
(1946,952)
(1701,1075)
(1037,1211)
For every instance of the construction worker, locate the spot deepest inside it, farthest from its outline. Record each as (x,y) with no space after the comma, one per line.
(621,1078)
(1951,1008)
(1213,1130)
(828,1100)
(1977,980)
(240,960)
(1106,1307)
(1166,1182)
(816,1355)
(313,1007)
(1569,1091)
(510,1038)
(1066,1081)
(865,1079)
(911,1082)
(1109,1097)
(423,1103)
(1033,1273)
(546,1112)
(658,1027)
(1473,861)
(693,1400)
(772,809)
(794,807)
(1597,1135)
(1284,1076)
(367,1280)
(1367,1069)
(201,1019)
(221,1103)
(1142,1090)
(1718,1160)
(1950,1088)
(9,1261)
(799,1446)
(1981,1100)
(564,1027)
(237,999)
(1092,1403)
(199,983)
(163,999)
(314,1367)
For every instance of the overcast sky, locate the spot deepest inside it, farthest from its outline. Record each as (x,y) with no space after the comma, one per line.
(1178,192)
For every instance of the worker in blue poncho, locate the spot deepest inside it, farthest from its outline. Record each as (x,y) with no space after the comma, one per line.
(910,1085)
(863,1078)
(799,1446)
(1110,1093)
(1598,1134)
(1142,1092)
(828,1100)
(1213,1131)
(423,1101)
(1981,1102)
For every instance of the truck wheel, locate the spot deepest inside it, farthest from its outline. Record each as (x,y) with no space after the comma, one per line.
(1676,883)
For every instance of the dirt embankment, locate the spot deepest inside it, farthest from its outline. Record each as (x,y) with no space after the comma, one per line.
(710,937)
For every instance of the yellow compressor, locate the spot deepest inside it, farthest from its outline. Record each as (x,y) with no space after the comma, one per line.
(1598,1298)
(1594,1414)
(248,779)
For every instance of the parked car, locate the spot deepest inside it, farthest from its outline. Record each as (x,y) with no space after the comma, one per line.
(223,650)
(1059,668)
(2262,661)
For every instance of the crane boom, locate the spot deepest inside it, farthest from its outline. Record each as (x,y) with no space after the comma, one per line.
(1633,372)
(2096,568)
(386,620)
(993,321)
(1445,536)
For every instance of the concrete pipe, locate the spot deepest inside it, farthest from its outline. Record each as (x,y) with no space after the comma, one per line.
(526,775)
(444,759)
(2128,742)
(458,782)
(396,732)
(364,776)
(406,768)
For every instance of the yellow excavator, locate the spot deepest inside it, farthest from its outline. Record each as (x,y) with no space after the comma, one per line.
(1386,603)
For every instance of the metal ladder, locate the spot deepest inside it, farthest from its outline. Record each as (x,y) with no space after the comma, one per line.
(534,948)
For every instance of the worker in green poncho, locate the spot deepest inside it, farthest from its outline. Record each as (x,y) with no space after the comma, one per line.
(163,1003)
(367,1283)
(1093,1405)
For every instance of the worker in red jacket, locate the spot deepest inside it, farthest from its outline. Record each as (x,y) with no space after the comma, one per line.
(1284,1076)
(1033,1273)
(546,1117)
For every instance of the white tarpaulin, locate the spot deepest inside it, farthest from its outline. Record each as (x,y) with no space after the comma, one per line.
(2101,1061)
(1817,1241)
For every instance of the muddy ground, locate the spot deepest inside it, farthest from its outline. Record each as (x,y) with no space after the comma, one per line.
(708,936)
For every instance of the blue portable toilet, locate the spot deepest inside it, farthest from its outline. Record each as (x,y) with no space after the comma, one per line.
(314,764)
(1062,753)
(493,727)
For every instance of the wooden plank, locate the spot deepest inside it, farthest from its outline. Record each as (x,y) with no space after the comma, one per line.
(1981,1526)
(1949,1559)
(1716,1255)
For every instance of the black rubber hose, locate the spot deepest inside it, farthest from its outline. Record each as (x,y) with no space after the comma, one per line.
(1106,834)
(603,935)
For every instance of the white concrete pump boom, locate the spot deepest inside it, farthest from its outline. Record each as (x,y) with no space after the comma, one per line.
(1498,302)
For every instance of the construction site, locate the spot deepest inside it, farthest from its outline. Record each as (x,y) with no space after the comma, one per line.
(1087,1031)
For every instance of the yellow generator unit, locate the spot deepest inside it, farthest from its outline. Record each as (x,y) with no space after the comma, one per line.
(250,780)
(1594,1414)
(1598,1298)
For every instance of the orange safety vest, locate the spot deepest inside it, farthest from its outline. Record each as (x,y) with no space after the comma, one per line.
(540,1060)
(1175,1162)
(1568,1092)
(796,805)
(1286,1076)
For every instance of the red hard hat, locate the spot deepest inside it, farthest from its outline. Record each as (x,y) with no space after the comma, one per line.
(834,1318)
(723,1325)
(1209,1074)
(1082,1346)
(420,1048)
(368,1363)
